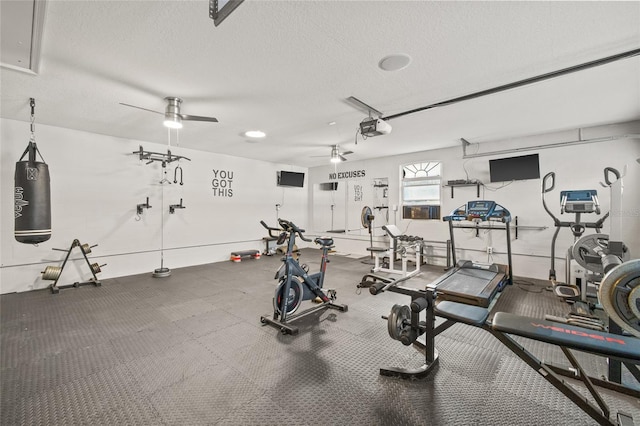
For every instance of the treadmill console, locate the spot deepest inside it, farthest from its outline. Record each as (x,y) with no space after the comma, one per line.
(480,210)
(581,201)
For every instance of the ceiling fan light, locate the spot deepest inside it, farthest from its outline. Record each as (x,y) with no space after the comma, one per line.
(335,155)
(172,121)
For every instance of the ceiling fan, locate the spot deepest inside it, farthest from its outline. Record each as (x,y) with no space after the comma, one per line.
(172,116)
(336,155)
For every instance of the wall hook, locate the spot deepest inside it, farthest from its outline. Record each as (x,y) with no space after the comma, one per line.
(173,207)
(175,174)
(141,207)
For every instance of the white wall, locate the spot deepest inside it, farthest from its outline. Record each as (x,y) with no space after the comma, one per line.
(576,167)
(96,183)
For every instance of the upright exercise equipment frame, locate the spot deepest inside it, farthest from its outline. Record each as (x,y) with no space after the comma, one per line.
(478,211)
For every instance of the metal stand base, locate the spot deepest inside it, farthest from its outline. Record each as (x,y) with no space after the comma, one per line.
(286,327)
(161,273)
(411,374)
(55,289)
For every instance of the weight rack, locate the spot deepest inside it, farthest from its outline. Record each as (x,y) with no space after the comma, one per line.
(53,272)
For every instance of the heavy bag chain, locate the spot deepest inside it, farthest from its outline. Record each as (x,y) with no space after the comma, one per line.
(32,147)
(32,102)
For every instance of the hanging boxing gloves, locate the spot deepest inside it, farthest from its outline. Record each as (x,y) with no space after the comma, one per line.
(32,194)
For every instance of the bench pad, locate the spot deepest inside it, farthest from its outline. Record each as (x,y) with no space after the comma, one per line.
(605,344)
(460,312)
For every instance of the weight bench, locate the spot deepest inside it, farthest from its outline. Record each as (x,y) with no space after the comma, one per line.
(404,324)
(390,252)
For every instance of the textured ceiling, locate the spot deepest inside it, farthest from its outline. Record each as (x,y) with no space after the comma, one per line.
(286,67)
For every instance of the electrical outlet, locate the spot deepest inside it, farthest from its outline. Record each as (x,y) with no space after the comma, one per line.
(489,250)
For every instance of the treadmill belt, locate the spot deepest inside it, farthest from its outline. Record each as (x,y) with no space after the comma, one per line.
(470,285)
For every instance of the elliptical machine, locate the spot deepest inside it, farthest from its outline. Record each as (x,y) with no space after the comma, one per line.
(295,282)
(591,251)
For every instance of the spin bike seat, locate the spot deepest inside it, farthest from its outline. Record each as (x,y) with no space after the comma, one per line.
(324,241)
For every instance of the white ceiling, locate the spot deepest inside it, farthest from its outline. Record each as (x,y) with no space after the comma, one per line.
(286,67)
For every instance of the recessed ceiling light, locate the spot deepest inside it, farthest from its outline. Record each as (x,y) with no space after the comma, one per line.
(255,134)
(331,123)
(394,62)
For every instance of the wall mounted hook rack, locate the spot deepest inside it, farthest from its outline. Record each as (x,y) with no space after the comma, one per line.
(173,207)
(165,159)
(141,207)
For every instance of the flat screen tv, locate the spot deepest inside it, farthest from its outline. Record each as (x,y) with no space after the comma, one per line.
(329,186)
(290,179)
(514,168)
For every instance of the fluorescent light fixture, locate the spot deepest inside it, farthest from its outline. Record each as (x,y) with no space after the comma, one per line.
(255,134)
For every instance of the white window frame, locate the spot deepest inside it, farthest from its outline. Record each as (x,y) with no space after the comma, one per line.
(412,174)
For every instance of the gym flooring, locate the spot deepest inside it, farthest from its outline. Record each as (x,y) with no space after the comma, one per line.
(190,350)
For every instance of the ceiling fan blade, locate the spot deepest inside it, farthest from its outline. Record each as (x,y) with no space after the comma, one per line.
(198,118)
(145,109)
(342,158)
(346,153)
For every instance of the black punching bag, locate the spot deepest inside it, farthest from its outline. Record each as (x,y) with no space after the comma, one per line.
(32,198)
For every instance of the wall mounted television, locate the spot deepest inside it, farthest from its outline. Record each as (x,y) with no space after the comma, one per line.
(295,179)
(329,186)
(514,168)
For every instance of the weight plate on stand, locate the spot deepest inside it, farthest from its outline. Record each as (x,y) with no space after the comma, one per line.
(590,245)
(398,321)
(161,273)
(51,273)
(294,298)
(619,295)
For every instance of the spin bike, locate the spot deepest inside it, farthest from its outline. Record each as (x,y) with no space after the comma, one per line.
(295,282)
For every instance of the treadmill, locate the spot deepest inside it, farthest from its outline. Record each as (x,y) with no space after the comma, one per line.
(469,282)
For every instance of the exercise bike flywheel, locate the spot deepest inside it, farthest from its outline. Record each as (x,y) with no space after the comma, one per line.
(294,298)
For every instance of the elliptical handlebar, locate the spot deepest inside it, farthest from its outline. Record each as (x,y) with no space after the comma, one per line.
(552,176)
(545,189)
(291,227)
(608,171)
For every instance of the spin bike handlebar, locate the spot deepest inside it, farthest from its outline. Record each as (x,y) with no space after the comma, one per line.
(291,227)
(271,229)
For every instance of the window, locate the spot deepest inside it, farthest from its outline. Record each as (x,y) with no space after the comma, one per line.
(421,185)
